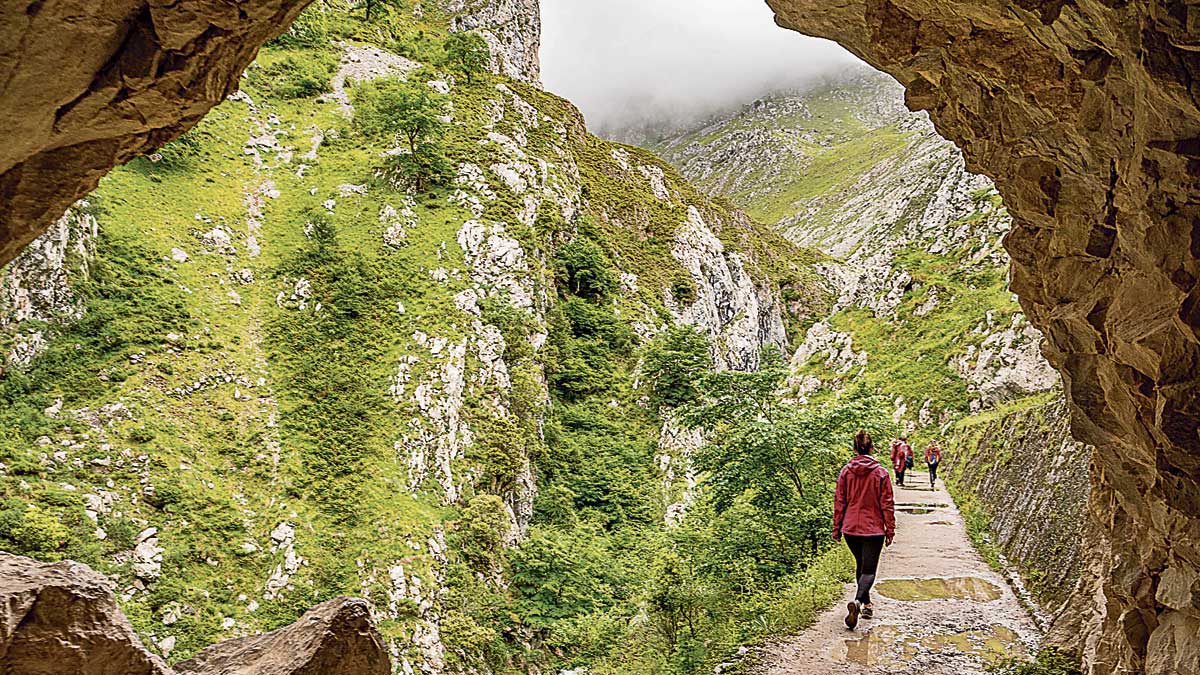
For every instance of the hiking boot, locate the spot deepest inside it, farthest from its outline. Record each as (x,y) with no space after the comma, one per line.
(852,610)
(868,612)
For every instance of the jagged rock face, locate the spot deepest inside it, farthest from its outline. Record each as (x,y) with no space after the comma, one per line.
(136,75)
(37,284)
(1087,116)
(512,28)
(63,618)
(740,316)
(1034,490)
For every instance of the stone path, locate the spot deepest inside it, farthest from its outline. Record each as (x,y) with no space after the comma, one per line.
(939,608)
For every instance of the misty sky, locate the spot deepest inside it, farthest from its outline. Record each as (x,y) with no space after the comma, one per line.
(627,61)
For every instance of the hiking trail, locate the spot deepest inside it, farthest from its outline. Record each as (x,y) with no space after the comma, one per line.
(939,608)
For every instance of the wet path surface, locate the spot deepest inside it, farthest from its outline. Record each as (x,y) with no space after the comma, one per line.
(939,608)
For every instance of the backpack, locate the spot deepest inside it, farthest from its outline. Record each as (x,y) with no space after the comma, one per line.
(908,462)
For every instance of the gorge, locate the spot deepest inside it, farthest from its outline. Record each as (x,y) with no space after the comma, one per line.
(195,386)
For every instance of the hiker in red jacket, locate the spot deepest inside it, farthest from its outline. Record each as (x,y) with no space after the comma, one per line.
(864,514)
(902,455)
(933,457)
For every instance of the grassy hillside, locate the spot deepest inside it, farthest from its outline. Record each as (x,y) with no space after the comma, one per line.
(300,373)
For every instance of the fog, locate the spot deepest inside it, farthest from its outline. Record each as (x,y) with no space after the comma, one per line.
(632,63)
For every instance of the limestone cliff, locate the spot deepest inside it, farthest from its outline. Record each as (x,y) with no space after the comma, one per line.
(512,28)
(919,301)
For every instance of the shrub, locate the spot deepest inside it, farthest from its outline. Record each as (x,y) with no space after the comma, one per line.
(584,270)
(31,530)
(673,365)
(295,76)
(481,532)
(1049,661)
(683,289)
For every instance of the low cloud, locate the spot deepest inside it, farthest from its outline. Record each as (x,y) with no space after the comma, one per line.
(630,63)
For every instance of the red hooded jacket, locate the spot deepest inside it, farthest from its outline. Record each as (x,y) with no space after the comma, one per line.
(863,504)
(901,451)
(933,452)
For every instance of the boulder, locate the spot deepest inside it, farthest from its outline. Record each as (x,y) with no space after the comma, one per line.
(61,618)
(334,638)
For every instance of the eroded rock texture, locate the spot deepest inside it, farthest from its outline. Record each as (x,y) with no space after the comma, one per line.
(334,638)
(62,618)
(1087,116)
(90,85)
(1031,478)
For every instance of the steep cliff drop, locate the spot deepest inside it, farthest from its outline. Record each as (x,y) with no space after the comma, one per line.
(1087,116)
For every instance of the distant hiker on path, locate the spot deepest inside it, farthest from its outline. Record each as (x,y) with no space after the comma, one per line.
(864,513)
(902,456)
(933,457)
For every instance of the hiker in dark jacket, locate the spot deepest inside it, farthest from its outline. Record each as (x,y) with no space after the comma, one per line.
(864,514)
(933,457)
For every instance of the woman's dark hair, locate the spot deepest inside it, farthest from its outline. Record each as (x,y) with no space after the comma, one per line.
(863,444)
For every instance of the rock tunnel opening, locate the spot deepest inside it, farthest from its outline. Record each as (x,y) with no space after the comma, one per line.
(1087,128)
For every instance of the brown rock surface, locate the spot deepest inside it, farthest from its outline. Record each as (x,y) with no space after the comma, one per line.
(334,638)
(60,618)
(89,85)
(1087,115)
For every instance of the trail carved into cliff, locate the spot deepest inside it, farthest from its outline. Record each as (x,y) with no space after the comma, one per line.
(939,608)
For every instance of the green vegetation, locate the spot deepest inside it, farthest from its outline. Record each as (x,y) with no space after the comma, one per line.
(264,377)
(467,53)
(1047,662)
(295,75)
(390,107)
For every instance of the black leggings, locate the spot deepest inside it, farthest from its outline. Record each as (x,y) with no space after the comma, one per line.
(866,552)
(932,472)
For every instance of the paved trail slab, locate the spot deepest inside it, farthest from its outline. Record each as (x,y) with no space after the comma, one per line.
(939,608)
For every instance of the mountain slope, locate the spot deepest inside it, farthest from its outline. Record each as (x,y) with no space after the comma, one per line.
(922,309)
(259,368)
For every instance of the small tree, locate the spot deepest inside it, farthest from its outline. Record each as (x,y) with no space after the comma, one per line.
(374,6)
(389,108)
(468,52)
(769,465)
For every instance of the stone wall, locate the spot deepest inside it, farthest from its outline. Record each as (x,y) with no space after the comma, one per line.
(1086,114)
(1027,474)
